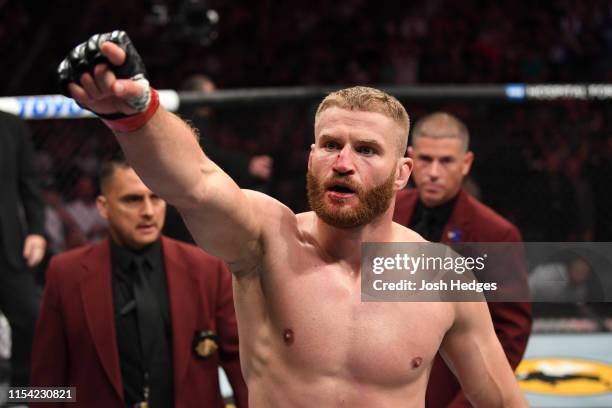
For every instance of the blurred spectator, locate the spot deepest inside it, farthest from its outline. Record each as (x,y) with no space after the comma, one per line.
(22,241)
(87,160)
(265,44)
(396,43)
(83,210)
(568,280)
(61,229)
(442,210)
(137,319)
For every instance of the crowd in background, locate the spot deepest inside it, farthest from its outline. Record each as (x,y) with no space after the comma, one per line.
(268,43)
(545,166)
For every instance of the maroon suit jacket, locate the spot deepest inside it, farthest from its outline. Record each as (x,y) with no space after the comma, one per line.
(76,345)
(512,321)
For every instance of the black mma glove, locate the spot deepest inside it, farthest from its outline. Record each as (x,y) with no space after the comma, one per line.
(84,57)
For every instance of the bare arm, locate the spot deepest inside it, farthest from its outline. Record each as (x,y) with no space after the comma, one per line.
(228,337)
(217,212)
(473,352)
(166,155)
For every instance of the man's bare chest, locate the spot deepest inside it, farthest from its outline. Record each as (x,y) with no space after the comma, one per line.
(319,323)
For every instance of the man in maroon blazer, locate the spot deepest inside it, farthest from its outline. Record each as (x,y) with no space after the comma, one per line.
(137,318)
(441,211)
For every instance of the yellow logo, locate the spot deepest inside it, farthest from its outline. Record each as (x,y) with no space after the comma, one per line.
(206,347)
(564,376)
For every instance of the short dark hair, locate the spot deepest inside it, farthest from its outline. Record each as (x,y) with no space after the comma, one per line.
(444,118)
(108,167)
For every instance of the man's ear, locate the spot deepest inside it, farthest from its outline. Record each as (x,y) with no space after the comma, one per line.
(312,147)
(403,174)
(102,206)
(467,163)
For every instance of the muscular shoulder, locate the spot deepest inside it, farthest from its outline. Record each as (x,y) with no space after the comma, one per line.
(277,226)
(404,234)
(271,212)
(265,203)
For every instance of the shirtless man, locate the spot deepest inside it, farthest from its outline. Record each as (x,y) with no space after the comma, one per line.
(307,340)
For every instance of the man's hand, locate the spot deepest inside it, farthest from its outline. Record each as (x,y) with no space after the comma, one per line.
(34,249)
(261,167)
(107,76)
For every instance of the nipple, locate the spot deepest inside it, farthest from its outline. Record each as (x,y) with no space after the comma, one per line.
(288,336)
(416,362)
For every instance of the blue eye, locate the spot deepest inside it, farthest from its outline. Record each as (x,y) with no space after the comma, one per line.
(330,145)
(365,150)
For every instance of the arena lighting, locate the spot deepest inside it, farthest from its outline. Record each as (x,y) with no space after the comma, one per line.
(60,107)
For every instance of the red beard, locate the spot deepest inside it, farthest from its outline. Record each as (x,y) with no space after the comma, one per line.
(372,203)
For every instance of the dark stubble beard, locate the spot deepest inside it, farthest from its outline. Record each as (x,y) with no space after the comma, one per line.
(372,203)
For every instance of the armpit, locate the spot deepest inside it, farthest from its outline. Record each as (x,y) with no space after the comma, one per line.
(250,264)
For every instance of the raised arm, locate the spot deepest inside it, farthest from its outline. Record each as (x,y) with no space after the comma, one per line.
(106,76)
(473,352)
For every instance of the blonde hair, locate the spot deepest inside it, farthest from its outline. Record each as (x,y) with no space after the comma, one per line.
(363,98)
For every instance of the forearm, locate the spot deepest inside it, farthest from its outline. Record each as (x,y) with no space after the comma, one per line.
(473,352)
(502,394)
(167,156)
(161,147)
(512,321)
(495,385)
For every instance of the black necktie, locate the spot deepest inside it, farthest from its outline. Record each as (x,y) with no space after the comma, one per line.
(425,225)
(149,323)
(151,329)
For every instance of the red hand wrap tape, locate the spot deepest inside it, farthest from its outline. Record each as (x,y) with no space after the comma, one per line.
(135,122)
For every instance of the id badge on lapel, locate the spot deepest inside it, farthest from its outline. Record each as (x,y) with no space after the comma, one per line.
(205,344)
